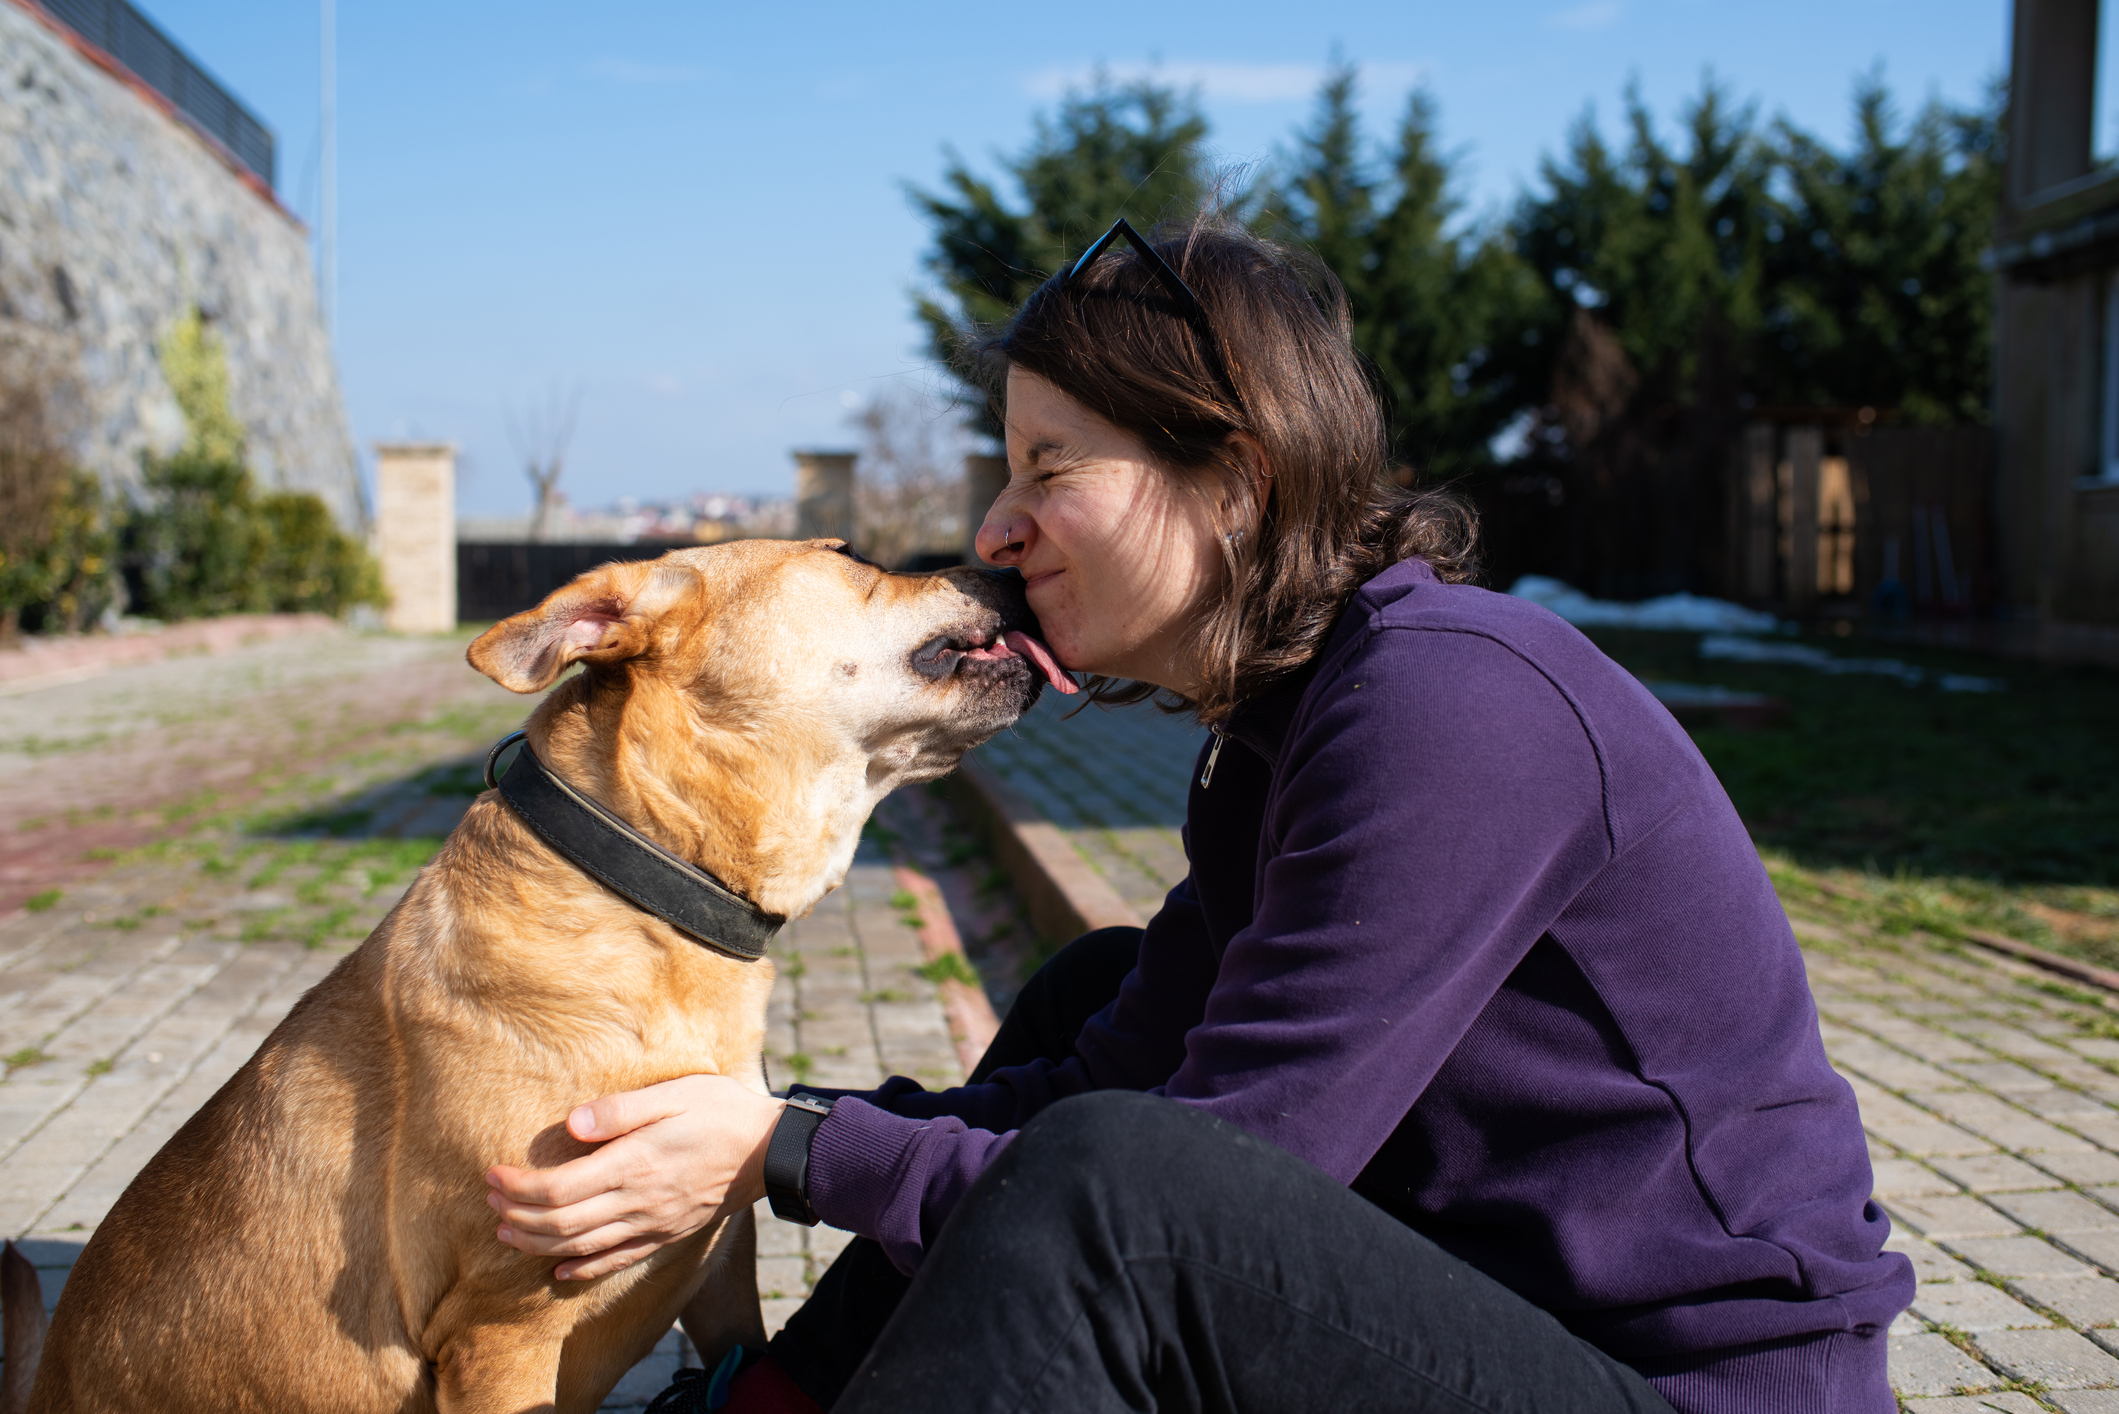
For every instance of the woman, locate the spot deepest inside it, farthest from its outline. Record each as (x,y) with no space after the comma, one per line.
(1473,1066)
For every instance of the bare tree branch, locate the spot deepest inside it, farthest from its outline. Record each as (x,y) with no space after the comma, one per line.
(909,478)
(543,431)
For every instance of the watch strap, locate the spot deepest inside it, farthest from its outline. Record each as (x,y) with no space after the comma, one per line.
(787,1158)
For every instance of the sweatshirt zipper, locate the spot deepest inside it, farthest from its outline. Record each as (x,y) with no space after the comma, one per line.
(1206,777)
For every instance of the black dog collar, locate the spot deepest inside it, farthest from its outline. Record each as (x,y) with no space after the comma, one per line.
(632,866)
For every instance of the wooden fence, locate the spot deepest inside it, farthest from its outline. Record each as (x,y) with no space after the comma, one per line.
(1890,520)
(496,580)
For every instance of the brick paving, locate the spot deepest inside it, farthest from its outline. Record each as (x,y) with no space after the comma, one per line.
(1115,781)
(266,809)
(1990,1092)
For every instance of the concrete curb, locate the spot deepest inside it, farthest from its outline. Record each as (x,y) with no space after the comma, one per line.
(1064,896)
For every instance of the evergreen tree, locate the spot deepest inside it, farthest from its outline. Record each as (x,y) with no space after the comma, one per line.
(1653,259)
(1877,294)
(1428,300)
(1133,150)
(1659,248)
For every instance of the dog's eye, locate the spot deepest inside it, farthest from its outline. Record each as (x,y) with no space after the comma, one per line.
(852,554)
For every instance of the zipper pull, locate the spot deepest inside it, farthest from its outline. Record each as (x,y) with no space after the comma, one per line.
(1206,776)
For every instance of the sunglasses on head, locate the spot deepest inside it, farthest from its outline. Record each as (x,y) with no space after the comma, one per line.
(1187,303)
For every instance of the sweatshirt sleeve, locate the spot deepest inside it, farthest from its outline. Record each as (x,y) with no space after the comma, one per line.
(891,1163)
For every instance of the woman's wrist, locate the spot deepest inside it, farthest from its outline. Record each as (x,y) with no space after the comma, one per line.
(748,1185)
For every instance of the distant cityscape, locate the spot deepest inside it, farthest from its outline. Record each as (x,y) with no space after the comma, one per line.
(703,518)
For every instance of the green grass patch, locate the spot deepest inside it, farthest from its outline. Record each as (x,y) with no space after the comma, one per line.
(27,1056)
(331,925)
(263,927)
(949,967)
(101,1067)
(44,902)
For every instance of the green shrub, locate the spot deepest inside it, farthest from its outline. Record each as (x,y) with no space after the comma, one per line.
(205,541)
(81,559)
(33,479)
(309,562)
(196,544)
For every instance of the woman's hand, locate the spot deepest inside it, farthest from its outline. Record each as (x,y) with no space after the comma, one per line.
(674,1156)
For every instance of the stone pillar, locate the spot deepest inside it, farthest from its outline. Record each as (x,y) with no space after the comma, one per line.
(415,533)
(824,495)
(984,479)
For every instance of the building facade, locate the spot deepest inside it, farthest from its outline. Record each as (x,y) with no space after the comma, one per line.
(2056,395)
(128,198)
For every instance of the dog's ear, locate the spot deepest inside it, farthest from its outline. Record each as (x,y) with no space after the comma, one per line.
(606,615)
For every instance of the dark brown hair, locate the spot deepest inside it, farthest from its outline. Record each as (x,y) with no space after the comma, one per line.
(1326,516)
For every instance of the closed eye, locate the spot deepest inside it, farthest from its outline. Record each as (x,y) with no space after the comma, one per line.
(855,555)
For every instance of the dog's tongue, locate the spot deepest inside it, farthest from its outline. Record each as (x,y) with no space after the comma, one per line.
(1039,654)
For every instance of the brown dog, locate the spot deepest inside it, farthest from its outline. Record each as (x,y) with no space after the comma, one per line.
(317,1236)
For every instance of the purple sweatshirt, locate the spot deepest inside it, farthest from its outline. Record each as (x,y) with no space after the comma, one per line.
(1472,927)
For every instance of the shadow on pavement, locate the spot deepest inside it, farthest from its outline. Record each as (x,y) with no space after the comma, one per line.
(424,805)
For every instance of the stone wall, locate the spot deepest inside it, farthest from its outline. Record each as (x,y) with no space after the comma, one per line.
(114,217)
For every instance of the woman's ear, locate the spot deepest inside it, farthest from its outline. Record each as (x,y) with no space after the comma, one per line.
(602,617)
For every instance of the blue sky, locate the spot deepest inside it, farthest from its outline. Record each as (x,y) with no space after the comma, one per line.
(695,213)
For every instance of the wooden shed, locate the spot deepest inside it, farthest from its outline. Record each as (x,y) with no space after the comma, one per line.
(2056,394)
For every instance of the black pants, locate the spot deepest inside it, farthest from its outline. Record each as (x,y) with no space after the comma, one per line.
(1130,1253)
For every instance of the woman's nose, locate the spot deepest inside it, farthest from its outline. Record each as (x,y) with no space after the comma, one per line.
(1004,538)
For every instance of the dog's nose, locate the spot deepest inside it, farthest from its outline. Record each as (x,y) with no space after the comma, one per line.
(1002,591)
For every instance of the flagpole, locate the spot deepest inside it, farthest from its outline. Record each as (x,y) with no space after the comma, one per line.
(327,234)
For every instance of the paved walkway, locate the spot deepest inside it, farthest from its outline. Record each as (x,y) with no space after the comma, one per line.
(267,808)
(1990,1092)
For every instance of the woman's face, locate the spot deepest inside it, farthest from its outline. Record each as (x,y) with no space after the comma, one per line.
(1118,560)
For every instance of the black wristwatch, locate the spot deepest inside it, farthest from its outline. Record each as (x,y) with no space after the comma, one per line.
(787,1158)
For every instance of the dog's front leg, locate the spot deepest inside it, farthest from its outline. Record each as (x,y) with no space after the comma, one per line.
(723,1313)
(498,1369)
